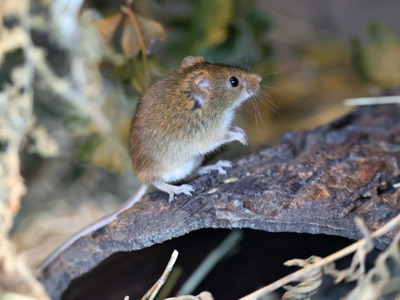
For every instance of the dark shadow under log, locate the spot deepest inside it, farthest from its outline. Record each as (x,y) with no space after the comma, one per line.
(312,181)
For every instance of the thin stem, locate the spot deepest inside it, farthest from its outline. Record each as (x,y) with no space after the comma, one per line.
(372,100)
(151,293)
(209,262)
(135,24)
(335,256)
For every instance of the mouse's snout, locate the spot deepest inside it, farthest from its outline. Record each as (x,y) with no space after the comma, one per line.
(251,84)
(253,80)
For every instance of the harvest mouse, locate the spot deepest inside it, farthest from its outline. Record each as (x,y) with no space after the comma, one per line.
(183,117)
(179,120)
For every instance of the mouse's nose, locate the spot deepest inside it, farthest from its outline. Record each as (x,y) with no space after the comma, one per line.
(259,78)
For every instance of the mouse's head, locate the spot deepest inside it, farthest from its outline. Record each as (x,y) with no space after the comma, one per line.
(218,86)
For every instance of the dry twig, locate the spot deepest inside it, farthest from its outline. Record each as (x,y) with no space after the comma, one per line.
(383,279)
(296,276)
(151,293)
(201,296)
(372,100)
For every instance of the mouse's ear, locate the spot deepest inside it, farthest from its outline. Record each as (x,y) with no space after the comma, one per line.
(201,88)
(191,60)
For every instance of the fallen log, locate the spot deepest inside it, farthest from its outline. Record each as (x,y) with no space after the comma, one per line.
(312,181)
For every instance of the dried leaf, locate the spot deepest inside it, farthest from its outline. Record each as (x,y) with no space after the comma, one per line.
(310,282)
(108,26)
(151,30)
(129,41)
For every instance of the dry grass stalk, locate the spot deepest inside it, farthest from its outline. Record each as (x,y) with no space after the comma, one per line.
(296,276)
(152,292)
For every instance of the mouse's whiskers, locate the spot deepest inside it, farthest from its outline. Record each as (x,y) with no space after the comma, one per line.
(267,86)
(255,114)
(270,105)
(259,66)
(257,111)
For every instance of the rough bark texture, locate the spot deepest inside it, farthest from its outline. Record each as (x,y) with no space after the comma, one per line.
(313,181)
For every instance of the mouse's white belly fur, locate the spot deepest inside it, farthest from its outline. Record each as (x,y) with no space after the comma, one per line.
(183,170)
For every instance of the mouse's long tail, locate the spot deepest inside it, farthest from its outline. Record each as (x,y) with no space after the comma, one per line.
(93,227)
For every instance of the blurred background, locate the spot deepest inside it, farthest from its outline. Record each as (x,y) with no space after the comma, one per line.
(311,55)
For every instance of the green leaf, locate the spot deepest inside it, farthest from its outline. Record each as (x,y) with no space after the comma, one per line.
(378,33)
(216,17)
(358,59)
(231,32)
(89,147)
(378,61)
(74,122)
(258,21)
(133,71)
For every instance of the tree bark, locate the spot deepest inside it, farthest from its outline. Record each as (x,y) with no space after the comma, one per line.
(312,181)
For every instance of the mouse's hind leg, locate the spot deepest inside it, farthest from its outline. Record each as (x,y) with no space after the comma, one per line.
(219,166)
(173,190)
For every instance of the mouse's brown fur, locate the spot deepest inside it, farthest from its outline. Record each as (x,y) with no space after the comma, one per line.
(184,116)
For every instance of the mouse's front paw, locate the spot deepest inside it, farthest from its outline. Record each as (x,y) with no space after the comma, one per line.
(219,166)
(237,134)
(223,164)
(243,139)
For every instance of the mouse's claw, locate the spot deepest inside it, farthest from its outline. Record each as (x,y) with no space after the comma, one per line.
(186,189)
(237,134)
(181,189)
(219,166)
(243,140)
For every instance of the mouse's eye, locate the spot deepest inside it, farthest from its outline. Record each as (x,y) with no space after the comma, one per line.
(234,81)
